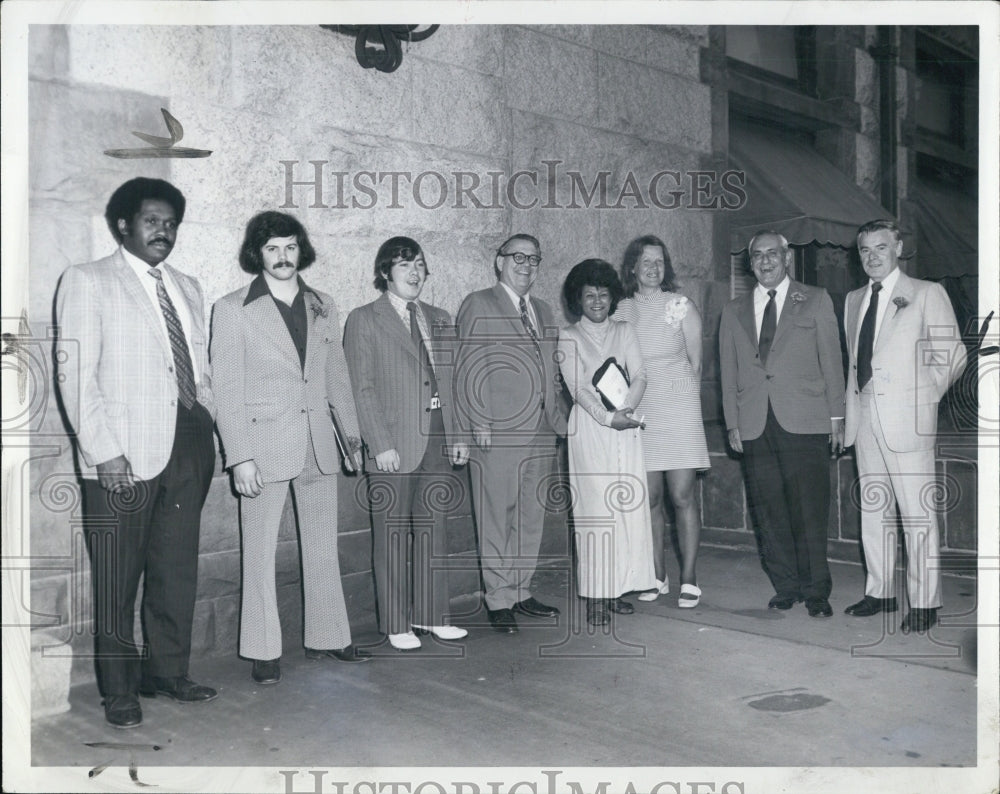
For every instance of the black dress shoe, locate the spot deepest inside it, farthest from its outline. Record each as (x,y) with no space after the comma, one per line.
(819,608)
(919,620)
(535,608)
(620,606)
(502,620)
(351,653)
(122,711)
(783,601)
(869,606)
(597,612)
(180,688)
(266,671)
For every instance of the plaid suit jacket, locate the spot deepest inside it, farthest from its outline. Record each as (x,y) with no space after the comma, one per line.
(269,408)
(116,368)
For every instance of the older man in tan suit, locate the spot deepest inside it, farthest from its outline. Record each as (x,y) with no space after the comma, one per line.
(905,352)
(782,396)
(400,352)
(280,371)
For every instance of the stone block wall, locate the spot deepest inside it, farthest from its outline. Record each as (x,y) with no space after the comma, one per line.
(613,105)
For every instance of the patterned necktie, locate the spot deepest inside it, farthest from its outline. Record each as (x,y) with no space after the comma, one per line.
(178,343)
(866,338)
(526,322)
(425,359)
(767,327)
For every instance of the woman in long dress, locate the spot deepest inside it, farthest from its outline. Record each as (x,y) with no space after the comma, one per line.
(668,327)
(606,469)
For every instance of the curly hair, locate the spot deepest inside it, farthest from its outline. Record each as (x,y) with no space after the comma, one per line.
(391,252)
(265,225)
(590,273)
(630,284)
(127,200)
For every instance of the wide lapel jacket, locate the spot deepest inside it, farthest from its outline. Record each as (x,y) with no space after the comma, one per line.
(917,355)
(499,382)
(391,390)
(109,330)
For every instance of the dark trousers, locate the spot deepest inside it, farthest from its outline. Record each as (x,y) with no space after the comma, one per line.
(416,503)
(788,485)
(151,529)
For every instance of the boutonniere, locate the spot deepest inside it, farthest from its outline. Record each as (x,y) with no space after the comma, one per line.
(798,297)
(318,309)
(900,302)
(675,310)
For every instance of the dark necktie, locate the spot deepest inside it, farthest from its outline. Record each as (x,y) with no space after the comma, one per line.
(526,322)
(866,338)
(178,343)
(767,327)
(425,359)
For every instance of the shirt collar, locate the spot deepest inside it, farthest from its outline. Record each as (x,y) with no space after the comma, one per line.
(259,289)
(515,297)
(888,283)
(398,303)
(779,291)
(141,268)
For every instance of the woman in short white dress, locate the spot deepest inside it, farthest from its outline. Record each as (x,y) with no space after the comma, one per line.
(668,327)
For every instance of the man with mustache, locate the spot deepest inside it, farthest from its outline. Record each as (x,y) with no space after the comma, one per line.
(905,352)
(783,401)
(135,381)
(399,350)
(279,373)
(509,396)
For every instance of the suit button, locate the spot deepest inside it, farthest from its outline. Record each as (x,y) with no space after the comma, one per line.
(170,369)
(253,421)
(302,411)
(427,410)
(427,383)
(769,376)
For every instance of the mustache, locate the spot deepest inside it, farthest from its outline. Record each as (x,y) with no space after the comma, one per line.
(159,239)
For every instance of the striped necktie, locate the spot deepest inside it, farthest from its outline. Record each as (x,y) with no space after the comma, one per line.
(526,322)
(178,343)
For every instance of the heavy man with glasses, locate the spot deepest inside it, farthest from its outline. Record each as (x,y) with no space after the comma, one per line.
(510,401)
(783,401)
(134,379)
(905,352)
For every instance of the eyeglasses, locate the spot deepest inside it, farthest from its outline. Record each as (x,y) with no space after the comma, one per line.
(520,258)
(759,256)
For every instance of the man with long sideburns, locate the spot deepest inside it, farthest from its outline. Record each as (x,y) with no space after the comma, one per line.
(508,393)
(135,381)
(905,352)
(783,401)
(280,371)
(401,371)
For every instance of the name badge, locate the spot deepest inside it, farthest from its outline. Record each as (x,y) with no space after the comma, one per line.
(435,402)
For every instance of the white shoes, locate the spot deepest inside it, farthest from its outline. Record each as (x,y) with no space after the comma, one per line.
(442,632)
(690,596)
(404,642)
(662,588)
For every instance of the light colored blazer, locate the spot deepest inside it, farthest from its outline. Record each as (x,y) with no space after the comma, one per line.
(116,368)
(918,354)
(392,395)
(804,376)
(498,381)
(269,409)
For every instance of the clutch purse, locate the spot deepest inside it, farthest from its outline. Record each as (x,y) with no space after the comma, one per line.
(612,382)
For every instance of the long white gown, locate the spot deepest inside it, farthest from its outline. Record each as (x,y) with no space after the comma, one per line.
(607,473)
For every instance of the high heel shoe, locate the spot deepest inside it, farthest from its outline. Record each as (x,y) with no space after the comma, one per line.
(662,588)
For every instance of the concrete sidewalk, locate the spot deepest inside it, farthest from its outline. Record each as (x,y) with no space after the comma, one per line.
(729,683)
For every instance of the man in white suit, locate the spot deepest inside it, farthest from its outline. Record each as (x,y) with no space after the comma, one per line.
(134,378)
(905,352)
(280,372)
